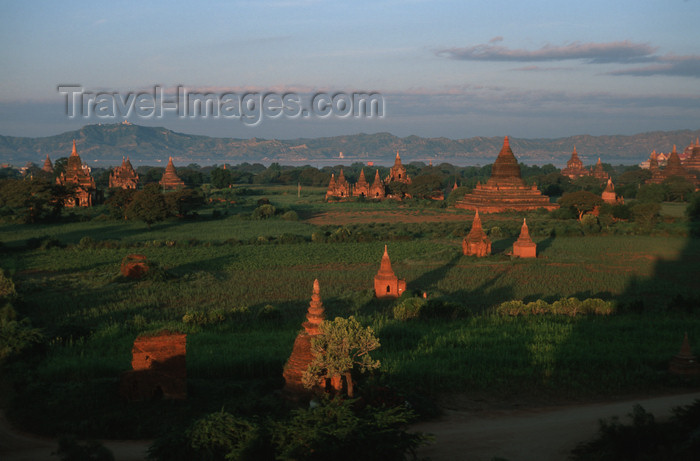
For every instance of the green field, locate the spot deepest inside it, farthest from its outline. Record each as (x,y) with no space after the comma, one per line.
(225,271)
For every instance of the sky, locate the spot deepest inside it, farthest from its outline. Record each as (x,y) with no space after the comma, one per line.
(458,69)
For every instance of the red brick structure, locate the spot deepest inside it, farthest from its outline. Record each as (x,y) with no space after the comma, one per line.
(524,247)
(48,167)
(361,188)
(653,162)
(505,190)
(398,172)
(134,266)
(170,179)
(78,176)
(301,356)
(476,243)
(158,368)
(386,283)
(609,195)
(377,190)
(684,363)
(124,176)
(673,168)
(339,188)
(574,167)
(692,161)
(599,172)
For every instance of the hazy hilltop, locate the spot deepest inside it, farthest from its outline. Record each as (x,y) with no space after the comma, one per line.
(106,144)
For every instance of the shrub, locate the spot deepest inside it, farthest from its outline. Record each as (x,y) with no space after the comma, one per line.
(409,308)
(564,306)
(269,313)
(290,216)
(338,430)
(264,211)
(69,449)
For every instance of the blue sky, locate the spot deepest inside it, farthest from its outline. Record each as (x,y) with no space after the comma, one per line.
(445,68)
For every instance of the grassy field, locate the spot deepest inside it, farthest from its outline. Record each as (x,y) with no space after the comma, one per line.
(221,272)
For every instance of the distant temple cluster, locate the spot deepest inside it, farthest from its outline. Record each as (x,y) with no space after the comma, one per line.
(674,165)
(77,176)
(575,169)
(341,188)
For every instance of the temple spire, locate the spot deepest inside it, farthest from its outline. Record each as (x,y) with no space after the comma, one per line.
(74,152)
(314,315)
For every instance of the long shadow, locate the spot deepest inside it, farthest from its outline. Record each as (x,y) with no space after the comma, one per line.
(429,279)
(543,245)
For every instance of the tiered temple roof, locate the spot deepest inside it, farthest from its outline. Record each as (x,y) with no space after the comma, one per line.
(48,167)
(524,247)
(124,176)
(338,187)
(301,356)
(398,172)
(505,189)
(386,283)
(574,167)
(170,179)
(361,188)
(599,172)
(684,363)
(377,190)
(78,176)
(692,162)
(476,243)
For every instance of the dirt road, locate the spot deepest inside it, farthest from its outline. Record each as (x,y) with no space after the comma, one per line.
(540,434)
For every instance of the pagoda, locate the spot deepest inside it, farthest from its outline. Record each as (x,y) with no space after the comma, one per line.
(574,167)
(505,190)
(386,283)
(338,187)
(398,172)
(170,179)
(476,243)
(692,162)
(599,172)
(124,176)
(302,356)
(684,363)
(524,247)
(48,167)
(78,176)
(377,189)
(653,162)
(361,188)
(673,168)
(609,195)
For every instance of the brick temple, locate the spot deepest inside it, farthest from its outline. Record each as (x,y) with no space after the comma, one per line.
(159,368)
(684,363)
(574,167)
(476,243)
(692,160)
(524,247)
(599,172)
(170,179)
(48,166)
(124,176)
(301,356)
(339,187)
(398,172)
(77,176)
(386,283)
(609,195)
(505,190)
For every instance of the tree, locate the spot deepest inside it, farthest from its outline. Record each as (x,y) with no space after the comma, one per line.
(183,201)
(425,186)
(677,188)
(342,347)
(31,200)
(221,178)
(646,214)
(118,201)
(651,193)
(581,201)
(148,205)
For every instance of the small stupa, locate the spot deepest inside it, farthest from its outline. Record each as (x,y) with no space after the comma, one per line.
(524,247)
(377,190)
(170,179)
(386,283)
(476,243)
(361,188)
(609,195)
(301,356)
(684,363)
(48,166)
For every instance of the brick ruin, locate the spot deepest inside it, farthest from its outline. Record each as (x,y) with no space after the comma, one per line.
(609,195)
(524,247)
(574,167)
(673,168)
(505,190)
(134,266)
(170,179)
(301,356)
(124,176)
(684,363)
(77,176)
(386,283)
(158,368)
(476,243)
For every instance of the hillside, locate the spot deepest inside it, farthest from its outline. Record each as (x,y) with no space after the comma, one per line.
(107,144)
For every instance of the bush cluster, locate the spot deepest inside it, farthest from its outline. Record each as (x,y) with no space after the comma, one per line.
(564,306)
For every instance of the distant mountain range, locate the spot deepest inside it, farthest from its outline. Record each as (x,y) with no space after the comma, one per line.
(104,145)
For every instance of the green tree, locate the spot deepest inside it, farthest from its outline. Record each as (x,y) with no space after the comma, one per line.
(651,193)
(425,186)
(31,200)
(184,201)
(221,178)
(646,215)
(118,201)
(264,211)
(342,347)
(148,205)
(15,335)
(581,201)
(677,189)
